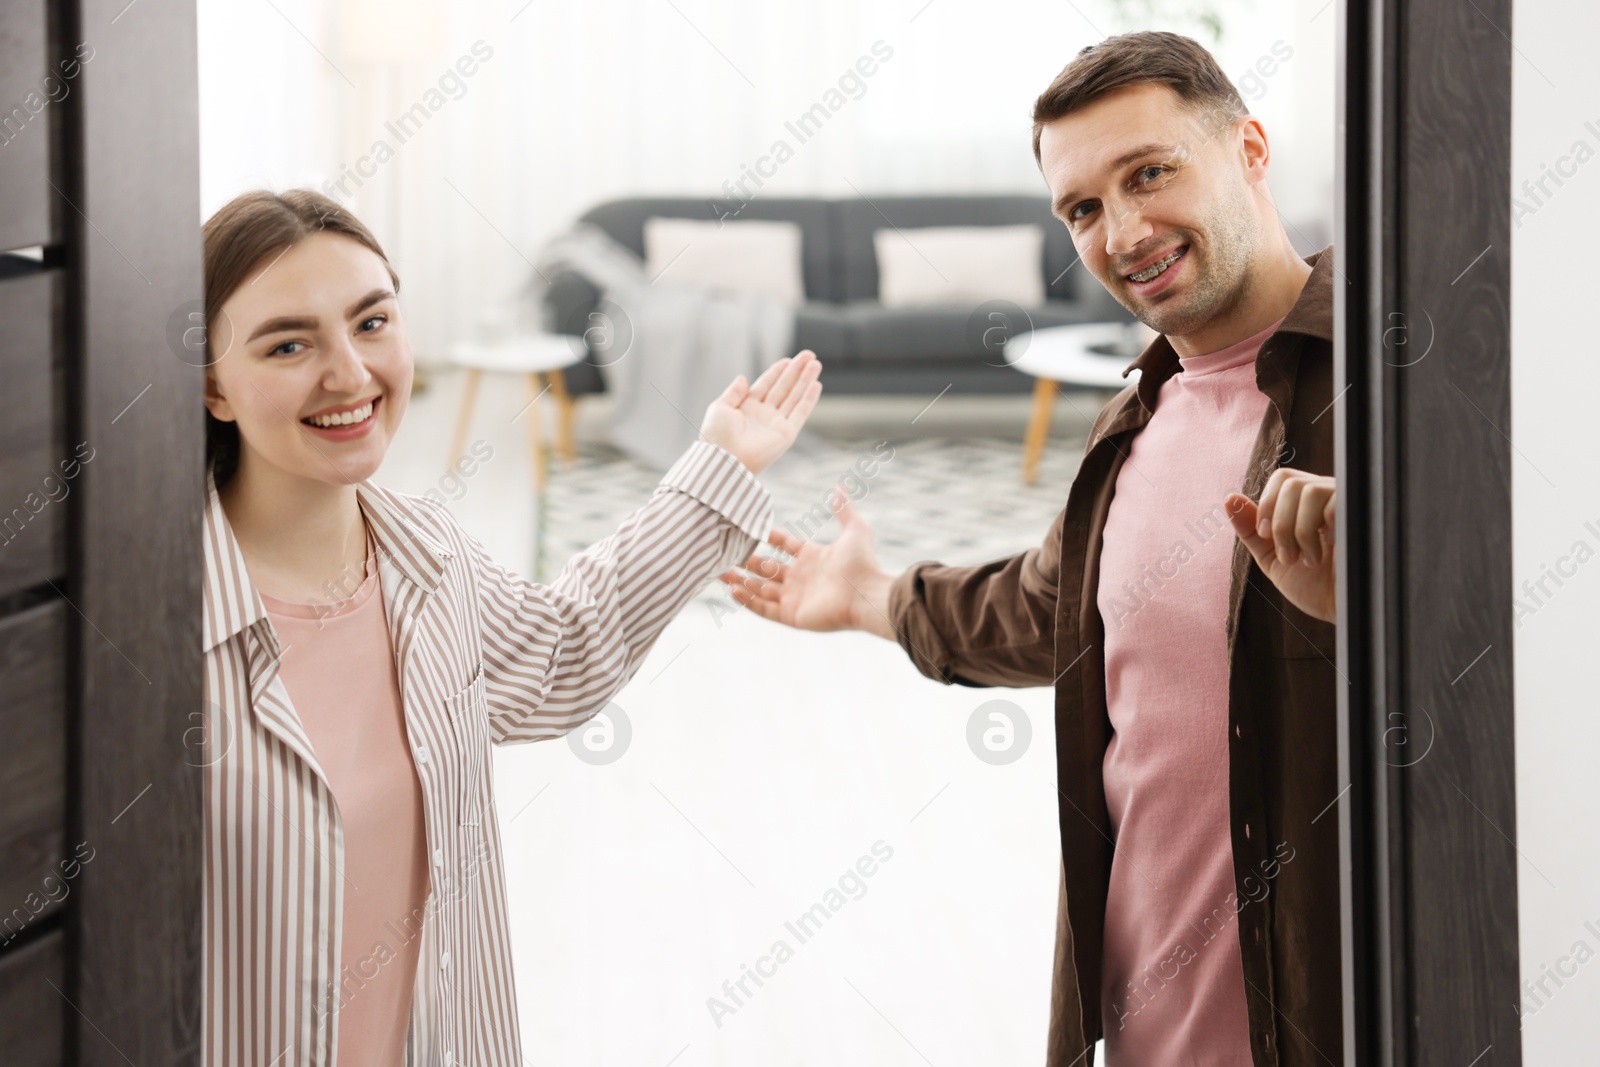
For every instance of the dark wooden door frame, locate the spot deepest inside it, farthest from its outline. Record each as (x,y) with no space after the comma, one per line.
(1424,530)
(129,203)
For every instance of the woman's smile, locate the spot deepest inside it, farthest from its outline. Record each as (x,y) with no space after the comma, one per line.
(346,422)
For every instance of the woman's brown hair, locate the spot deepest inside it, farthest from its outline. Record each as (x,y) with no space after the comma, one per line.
(245,232)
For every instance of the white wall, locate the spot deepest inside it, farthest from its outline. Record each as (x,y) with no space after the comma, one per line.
(583,102)
(1555,381)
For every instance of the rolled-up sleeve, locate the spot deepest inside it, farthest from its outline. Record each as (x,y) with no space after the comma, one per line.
(554,654)
(992,624)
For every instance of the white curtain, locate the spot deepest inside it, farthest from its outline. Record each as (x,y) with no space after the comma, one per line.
(570,104)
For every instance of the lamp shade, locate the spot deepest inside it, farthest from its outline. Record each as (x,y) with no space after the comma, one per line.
(392,31)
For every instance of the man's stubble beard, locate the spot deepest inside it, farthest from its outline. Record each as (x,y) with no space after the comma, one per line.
(1219,279)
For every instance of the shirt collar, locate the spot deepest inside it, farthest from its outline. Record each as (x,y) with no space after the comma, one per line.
(1312,315)
(231,603)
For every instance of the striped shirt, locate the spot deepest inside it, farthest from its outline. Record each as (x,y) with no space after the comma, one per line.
(483,655)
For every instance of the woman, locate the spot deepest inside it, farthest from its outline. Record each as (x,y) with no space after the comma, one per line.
(355,894)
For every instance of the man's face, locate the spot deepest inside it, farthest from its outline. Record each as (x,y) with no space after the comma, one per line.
(1139,178)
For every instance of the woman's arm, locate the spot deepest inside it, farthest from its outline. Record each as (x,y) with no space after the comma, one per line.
(553,655)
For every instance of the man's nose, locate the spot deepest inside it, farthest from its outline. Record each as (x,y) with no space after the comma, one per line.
(1126,228)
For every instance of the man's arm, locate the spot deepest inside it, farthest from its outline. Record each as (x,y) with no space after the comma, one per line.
(991,624)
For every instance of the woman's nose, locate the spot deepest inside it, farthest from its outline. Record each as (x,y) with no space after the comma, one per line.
(349,372)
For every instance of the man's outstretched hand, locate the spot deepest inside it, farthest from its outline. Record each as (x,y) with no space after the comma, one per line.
(835,586)
(758,421)
(1290,534)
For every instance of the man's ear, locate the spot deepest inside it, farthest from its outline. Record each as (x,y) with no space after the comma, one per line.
(216,403)
(1253,147)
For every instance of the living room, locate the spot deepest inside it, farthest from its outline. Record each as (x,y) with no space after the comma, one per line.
(1031,533)
(600,214)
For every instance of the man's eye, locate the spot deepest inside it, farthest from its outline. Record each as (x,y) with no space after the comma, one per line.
(1152,167)
(1073,216)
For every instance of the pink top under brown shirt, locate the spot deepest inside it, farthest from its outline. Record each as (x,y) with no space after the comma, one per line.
(1173,985)
(338,667)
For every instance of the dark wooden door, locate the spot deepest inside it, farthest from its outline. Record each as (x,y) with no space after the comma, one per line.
(1423,311)
(100,497)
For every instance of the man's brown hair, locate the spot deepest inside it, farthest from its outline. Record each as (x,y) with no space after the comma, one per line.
(243,234)
(1149,56)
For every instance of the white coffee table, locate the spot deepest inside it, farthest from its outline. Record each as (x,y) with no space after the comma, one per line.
(534,355)
(1064,355)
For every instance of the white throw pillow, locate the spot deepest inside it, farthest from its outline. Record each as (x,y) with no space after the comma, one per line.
(960,264)
(751,256)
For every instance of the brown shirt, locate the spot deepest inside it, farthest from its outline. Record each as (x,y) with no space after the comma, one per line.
(1032,619)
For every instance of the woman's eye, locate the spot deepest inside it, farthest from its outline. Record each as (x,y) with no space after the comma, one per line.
(379,319)
(280,349)
(1151,167)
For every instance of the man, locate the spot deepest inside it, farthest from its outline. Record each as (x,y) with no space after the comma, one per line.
(1182,603)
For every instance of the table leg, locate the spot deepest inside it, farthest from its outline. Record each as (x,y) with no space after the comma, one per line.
(1044,396)
(469,397)
(564,437)
(535,431)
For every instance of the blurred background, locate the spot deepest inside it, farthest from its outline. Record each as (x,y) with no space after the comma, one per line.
(585,103)
(744,772)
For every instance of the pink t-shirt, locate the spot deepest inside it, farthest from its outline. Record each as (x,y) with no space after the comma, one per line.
(339,670)
(1172,988)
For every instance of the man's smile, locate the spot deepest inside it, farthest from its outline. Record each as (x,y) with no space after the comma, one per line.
(1153,268)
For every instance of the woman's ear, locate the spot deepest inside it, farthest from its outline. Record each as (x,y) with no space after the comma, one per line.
(216,403)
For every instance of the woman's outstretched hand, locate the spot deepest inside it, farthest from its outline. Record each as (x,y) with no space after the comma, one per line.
(757,422)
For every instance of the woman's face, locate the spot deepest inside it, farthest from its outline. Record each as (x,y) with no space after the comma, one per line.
(310,339)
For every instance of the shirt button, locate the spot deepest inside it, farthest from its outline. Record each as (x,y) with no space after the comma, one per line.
(444,961)
(438,857)
(422,753)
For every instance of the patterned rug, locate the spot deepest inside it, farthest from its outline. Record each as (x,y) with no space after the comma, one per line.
(958,500)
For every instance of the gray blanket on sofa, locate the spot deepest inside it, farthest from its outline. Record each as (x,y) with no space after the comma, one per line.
(666,349)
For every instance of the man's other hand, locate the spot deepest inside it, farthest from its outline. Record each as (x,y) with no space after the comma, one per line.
(1290,534)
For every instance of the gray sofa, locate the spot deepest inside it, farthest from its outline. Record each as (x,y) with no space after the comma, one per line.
(866,347)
